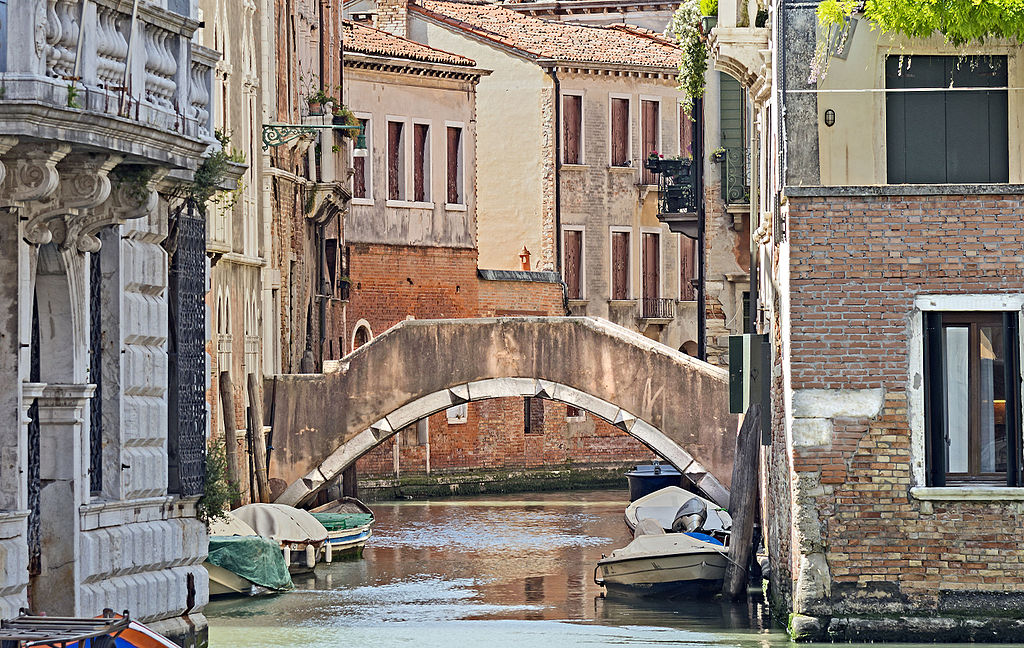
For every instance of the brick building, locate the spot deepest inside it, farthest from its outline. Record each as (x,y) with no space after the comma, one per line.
(412,251)
(887,233)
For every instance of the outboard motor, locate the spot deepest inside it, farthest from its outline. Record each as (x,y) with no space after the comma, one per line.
(690,516)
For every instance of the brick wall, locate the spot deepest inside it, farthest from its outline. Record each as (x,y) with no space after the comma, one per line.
(857,264)
(390,283)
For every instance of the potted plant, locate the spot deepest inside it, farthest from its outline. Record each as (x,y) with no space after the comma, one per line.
(718,155)
(709,15)
(316,100)
(653,162)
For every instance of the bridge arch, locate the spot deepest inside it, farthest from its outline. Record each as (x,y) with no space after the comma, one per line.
(674,404)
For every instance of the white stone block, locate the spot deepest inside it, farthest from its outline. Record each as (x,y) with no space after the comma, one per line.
(501,388)
(833,403)
(812,432)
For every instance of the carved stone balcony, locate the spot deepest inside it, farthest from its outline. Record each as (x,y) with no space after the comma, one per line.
(101,79)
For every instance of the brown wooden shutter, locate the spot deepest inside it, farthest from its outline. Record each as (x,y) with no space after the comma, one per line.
(359,177)
(687,268)
(685,134)
(572,121)
(419,162)
(652,262)
(454,137)
(620,132)
(649,112)
(394,152)
(620,265)
(573,259)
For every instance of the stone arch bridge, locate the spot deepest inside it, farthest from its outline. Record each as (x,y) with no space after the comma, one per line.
(673,403)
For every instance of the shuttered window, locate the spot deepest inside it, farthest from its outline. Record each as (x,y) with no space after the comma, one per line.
(650,120)
(454,158)
(620,265)
(687,268)
(652,265)
(620,132)
(946,137)
(574,263)
(421,163)
(361,165)
(396,162)
(572,129)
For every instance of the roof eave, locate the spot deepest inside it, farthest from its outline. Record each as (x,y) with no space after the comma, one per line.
(431,66)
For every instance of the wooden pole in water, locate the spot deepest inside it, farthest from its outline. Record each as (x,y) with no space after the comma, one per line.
(227,406)
(259,442)
(743,502)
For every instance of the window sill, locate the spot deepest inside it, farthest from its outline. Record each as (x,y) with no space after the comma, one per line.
(408,204)
(967,493)
(368,202)
(622,169)
(574,167)
(578,302)
(455,207)
(621,302)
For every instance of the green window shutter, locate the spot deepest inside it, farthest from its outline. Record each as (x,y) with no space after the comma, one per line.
(734,141)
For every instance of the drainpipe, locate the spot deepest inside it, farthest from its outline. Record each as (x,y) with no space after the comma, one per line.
(553,73)
(698,159)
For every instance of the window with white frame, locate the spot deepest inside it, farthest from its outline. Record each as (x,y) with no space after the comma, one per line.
(621,263)
(572,129)
(650,135)
(362,165)
(421,162)
(455,165)
(457,414)
(618,131)
(396,160)
(574,264)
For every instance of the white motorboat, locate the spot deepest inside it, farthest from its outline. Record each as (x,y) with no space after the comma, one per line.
(299,534)
(662,505)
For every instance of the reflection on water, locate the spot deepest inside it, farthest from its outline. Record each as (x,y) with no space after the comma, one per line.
(495,572)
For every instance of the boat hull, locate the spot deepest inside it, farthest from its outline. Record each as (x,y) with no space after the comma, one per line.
(657,574)
(227,583)
(348,543)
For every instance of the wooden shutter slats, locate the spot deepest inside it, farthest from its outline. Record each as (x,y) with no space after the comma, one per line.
(620,265)
(454,137)
(687,268)
(651,119)
(394,153)
(359,177)
(419,161)
(572,121)
(652,262)
(573,263)
(620,132)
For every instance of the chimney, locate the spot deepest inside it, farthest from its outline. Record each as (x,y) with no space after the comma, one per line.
(392,16)
(524,259)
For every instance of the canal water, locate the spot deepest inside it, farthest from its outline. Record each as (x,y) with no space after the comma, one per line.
(487,572)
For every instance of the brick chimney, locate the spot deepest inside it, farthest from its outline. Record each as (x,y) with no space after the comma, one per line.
(392,16)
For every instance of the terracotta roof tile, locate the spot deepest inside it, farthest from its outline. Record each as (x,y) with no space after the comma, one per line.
(561,41)
(364,39)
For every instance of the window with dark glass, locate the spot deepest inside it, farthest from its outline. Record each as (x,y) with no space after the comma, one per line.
(533,416)
(937,131)
(972,398)
(572,129)
(620,132)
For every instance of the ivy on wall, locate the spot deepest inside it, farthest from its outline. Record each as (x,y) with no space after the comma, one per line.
(686,27)
(959,21)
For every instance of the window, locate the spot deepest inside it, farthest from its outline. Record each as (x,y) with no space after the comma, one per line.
(946,137)
(573,413)
(733,115)
(361,165)
(651,261)
(620,265)
(421,163)
(687,268)
(650,120)
(620,132)
(332,252)
(972,398)
(574,262)
(572,129)
(457,414)
(533,416)
(456,192)
(396,161)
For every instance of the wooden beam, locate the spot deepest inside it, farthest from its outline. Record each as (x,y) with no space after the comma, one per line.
(227,407)
(743,502)
(259,443)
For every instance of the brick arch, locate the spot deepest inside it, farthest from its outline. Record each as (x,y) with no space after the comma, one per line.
(674,404)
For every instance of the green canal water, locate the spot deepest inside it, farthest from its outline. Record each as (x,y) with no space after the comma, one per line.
(487,572)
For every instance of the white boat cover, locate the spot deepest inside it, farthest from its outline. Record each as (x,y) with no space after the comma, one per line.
(282,523)
(666,544)
(230,525)
(662,505)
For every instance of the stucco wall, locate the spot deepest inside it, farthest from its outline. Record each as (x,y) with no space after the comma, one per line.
(515,173)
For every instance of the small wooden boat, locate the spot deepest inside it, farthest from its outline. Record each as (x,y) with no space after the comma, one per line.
(296,531)
(663,505)
(349,525)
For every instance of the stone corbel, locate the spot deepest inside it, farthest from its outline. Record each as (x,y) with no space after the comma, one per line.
(329,202)
(33,176)
(84,184)
(740,51)
(6,144)
(124,201)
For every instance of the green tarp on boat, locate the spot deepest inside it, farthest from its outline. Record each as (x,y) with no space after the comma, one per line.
(254,558)
(342,521)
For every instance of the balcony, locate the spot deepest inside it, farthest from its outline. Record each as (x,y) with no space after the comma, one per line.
(657,308)
(102,78)
(735,183)
(677,193)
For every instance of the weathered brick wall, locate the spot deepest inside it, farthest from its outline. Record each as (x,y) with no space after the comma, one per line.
(857,264)
(390,283)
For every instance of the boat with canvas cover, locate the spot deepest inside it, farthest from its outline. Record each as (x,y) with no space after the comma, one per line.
(349,525)
(242,563)
(663,505)
(299,535)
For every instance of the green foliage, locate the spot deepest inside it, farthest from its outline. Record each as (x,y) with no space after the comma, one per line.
(73,94)
(686,26)
(959,21)
(219,492)
(709,7)
(134,179)
(343,113)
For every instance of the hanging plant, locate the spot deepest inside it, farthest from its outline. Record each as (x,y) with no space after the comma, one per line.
(688,29)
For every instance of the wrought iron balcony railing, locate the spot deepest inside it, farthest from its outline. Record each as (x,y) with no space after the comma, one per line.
(677,184)
(99,64)
(735,183)
(657,308)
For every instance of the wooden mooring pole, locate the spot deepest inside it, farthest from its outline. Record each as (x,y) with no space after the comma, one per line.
(259,442)
(227,407)
(743,502)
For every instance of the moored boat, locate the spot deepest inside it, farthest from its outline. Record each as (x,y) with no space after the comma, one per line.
(663,505)
(349,525)
(648,478)
(299,535)
(242,563)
